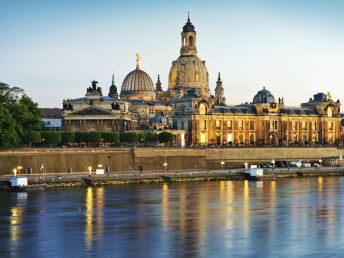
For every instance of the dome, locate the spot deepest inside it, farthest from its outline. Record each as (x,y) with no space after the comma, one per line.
(188,27)
(263,96)
(158,118)
(138,85)
(191,71)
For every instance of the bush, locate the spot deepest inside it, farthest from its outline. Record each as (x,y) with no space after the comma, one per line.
(80,137)
(141,137)
(51,137)
(67,137)
(110,137)
(93,137)
(32,137)
(107,137)
(165,137)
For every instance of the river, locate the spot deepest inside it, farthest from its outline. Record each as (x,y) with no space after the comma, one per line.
(299,217)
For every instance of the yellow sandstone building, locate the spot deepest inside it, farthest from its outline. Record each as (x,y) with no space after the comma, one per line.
(195,116)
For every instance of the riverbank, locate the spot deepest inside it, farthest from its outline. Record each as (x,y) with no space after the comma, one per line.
(82,179)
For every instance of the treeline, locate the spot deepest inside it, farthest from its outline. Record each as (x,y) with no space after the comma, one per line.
(56,138)
(20,117)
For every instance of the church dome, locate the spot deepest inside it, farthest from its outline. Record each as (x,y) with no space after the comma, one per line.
(263,96)
(191,71)
(138,85)
(188,27)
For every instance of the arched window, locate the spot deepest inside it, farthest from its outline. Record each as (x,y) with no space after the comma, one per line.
(202,109)
(191,41)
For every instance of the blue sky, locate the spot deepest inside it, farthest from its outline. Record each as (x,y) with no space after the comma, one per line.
(53,49)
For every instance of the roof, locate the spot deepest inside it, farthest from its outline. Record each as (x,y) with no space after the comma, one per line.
(249,109)
(51,112)
(104,98)
(146,103)
(299,111)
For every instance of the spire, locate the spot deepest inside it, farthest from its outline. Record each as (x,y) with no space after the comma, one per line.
(113,79)
(219,82)
(188,16)
(158,84)
(219,92)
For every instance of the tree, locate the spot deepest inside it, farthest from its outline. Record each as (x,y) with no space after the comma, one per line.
(23,110)
(132,137)
(151,137)
(128,137)
(8,135)
(165,137)
(8,94)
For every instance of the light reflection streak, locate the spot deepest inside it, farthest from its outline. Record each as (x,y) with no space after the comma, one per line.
(100,207)
(246,204)
(182,211)
(165,217)
(89,216)
(16,221)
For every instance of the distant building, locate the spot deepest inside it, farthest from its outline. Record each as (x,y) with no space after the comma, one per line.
(52,119)
(192,112)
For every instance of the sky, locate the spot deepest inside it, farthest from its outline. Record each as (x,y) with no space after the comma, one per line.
(54,48)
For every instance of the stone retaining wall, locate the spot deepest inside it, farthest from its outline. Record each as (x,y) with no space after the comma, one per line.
(152,159)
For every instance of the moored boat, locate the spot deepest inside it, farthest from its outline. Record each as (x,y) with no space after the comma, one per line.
(258,174)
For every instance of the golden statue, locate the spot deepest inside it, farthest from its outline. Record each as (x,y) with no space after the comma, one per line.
(137,61)
(329,96)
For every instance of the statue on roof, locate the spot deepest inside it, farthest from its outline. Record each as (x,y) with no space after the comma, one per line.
(94,85)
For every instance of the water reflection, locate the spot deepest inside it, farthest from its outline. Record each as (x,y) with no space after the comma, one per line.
(291,217)
(16,220)
(94,215)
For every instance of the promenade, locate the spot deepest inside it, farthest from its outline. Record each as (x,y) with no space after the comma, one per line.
(83,179)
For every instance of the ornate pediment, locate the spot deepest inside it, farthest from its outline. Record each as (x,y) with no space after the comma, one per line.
(90,111)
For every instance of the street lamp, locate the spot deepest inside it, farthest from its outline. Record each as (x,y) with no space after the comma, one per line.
(222,163)
(89,171)
(19,168)
(273,163)
(246,165)
(165,165)
(15,172)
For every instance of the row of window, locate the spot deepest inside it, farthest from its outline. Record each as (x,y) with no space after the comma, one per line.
(272,125)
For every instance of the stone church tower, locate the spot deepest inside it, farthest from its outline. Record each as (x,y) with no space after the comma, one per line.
(219,93)
(190,69)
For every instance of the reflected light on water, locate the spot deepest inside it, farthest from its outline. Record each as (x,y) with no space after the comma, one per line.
(100,207)
(246,208)
(16,221)
(89,216)
(165,200)
(320,183)
(182,209)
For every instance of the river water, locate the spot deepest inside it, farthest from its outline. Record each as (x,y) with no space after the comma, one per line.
(284,218)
